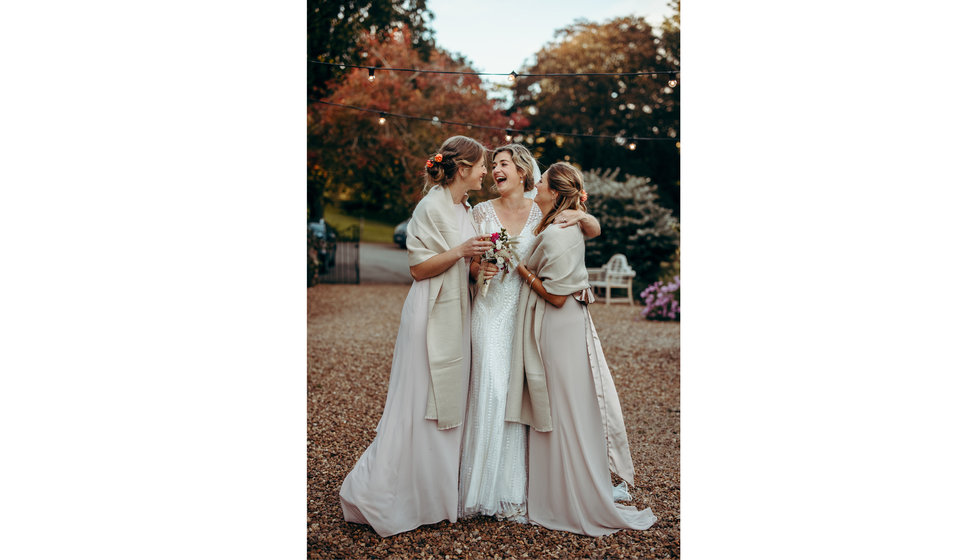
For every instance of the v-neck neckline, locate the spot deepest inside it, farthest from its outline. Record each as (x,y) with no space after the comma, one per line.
(527,220)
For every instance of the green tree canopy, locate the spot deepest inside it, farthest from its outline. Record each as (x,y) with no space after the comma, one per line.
(630,106)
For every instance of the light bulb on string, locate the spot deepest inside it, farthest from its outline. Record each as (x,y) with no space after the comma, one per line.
(382,119)
(371,75)
(672,82)
(513,76)
(632,145)
(509,134)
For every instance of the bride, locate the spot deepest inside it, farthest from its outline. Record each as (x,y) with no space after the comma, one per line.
(493,464)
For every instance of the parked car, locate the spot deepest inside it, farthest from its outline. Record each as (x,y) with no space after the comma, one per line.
(312,257)
(326,244)
(401,233)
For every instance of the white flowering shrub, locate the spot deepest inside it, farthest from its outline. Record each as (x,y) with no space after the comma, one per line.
(633,224)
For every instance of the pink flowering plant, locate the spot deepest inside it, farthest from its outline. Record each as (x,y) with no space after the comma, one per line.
(502,255)
(663,301)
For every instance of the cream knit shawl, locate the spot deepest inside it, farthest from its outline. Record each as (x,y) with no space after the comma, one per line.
(434,229)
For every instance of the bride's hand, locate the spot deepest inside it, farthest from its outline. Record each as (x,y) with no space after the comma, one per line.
(588,223)
(569,217)
(489,269)
(475,246)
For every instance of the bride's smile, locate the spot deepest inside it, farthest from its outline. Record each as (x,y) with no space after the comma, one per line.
(506,175)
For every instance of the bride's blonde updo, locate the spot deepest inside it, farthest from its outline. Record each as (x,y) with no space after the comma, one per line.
(569,185)
(442,167)
(522,159)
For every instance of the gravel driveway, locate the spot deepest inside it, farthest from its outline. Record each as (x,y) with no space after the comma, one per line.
(350,338)
(384,263)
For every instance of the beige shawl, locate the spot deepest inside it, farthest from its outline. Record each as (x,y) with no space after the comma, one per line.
(557,257)
(434,229)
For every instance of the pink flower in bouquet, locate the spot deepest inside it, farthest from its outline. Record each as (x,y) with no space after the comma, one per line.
(502,255)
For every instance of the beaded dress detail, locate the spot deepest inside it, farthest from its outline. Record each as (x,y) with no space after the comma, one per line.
(493,466)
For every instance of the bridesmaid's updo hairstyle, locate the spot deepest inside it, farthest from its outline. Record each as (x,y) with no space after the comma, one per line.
(568,184)
(442,167)
(522,159)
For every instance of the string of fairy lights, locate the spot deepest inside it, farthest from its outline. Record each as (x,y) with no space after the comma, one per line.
(512,76)
(509,133)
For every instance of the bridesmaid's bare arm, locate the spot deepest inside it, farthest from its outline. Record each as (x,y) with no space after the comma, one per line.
(538,287)
(444,261)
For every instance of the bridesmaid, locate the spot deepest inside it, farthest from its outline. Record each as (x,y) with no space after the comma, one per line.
(408,476)
(560,384)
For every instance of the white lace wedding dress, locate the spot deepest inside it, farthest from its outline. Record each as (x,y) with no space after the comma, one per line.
(493,465)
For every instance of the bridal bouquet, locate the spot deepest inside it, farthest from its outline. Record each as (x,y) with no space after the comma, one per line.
(502,255)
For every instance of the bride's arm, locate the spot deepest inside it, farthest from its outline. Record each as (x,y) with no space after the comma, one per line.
(538,287)
(589,223)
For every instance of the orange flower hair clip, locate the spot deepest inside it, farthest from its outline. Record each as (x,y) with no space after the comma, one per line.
(583,197)
(437,158)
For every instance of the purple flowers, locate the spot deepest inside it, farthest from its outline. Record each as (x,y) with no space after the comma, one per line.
(663,301)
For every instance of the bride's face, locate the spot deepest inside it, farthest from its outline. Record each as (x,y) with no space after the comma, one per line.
(506,175)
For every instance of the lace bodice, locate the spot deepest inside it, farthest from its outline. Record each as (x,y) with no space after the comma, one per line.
(484,213)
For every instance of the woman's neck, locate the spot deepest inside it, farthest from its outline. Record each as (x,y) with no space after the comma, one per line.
(513,200)
(457,190)
(545,208)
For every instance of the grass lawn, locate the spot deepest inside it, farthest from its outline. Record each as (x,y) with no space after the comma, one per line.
(373,232)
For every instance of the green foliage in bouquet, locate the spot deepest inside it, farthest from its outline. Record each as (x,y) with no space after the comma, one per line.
(633,224)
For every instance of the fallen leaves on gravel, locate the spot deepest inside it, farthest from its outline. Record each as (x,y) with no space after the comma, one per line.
(351,333)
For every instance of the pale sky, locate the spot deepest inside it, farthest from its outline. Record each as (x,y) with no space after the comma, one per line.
(500,36)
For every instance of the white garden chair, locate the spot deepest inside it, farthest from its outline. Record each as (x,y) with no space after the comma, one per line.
(616,273)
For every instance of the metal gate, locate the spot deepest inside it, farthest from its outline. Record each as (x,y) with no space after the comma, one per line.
(346,267)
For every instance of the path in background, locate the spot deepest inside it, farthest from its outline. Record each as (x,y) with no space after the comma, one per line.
(384,263)
(351,333)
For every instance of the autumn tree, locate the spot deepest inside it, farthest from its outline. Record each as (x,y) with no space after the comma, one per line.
(335,27)
(623,106)
(376,169)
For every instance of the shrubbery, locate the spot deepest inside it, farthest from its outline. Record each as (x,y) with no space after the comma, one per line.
(663,300)
(633,224)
